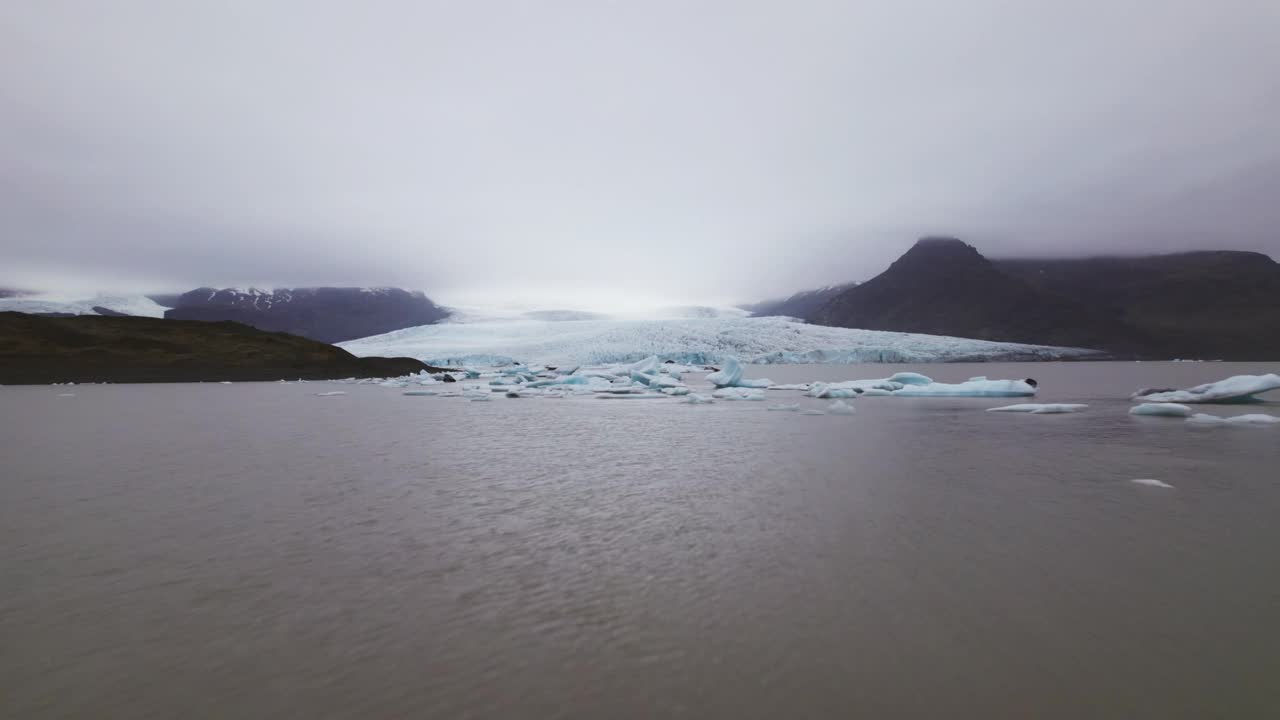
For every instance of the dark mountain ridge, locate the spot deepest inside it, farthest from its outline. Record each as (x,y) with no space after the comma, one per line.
(1207,304)
(943,286)
(799,305)
(327,314)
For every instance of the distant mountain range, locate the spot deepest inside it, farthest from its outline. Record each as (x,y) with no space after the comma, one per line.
(1219,304)
(803,304)
(327,314)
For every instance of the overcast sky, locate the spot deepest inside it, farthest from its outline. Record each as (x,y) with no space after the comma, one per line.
(679,150)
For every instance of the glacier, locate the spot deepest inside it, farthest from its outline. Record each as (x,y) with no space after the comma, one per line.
(1235,389)
(685,340)
(82,305)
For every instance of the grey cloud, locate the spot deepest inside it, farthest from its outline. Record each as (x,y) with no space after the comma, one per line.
(696,151)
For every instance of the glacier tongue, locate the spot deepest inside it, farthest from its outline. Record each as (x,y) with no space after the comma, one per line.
(685,340)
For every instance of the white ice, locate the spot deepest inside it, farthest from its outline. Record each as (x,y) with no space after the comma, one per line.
(1161,410)
(736,393)
(840,407)
(1152,483)
(1251,419)
(1235,389)
(331,393)
(1040,408)
(785,408)
(686,340)
(730,375)
(698,399)
(82,305)
(977,387)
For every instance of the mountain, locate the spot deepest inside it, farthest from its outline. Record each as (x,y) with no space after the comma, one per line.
(87,348)
(803,305)
(1215,304)
(943,286)
(327,314)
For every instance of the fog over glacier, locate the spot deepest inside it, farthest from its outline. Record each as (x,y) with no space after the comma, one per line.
(588,154)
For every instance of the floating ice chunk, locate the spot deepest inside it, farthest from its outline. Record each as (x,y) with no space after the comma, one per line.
(737,393)
(480,398)
(331,393)
(419,393)
(811,411)
(1152,483)
(681,390)
(632,396)
(1161,410)
(225,382)
(840,407)
(1040,408)
(1251,419)
(647,366)
(912,378)
(697,399)
(971,388)
(1235,389)
(791,386)
(730,375)
(876,392)
(826,390)
(785,408)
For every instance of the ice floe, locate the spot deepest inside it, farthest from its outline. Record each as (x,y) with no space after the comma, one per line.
(840,407)
(1040,408)
(785,408)
(1235,389)
(698,399)
(730,375)
(1161,410)
(331,393)
(1251,419)
(1149,482)
(737,393)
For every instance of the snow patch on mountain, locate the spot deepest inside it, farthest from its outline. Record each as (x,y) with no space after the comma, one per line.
(44,303)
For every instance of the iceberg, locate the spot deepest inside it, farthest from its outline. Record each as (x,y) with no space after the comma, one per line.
(697,399)
(1040,408)
(969,388)
(840,407)
(731,376)
(736,393)
(1152,483)
(1161,410)
(1251,419)
(830,390)
(1235,389)
(785,408)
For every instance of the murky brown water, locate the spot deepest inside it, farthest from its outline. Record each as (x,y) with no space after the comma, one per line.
(257,551)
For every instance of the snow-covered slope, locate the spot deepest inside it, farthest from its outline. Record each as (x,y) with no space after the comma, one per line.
(82,305)
(682,339)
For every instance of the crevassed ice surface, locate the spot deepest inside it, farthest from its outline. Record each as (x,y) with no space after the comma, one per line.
(685,339)
(81,305)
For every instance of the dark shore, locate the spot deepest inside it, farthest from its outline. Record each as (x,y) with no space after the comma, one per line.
(87,349)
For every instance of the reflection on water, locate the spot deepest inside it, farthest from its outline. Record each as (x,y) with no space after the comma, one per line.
(254,550)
